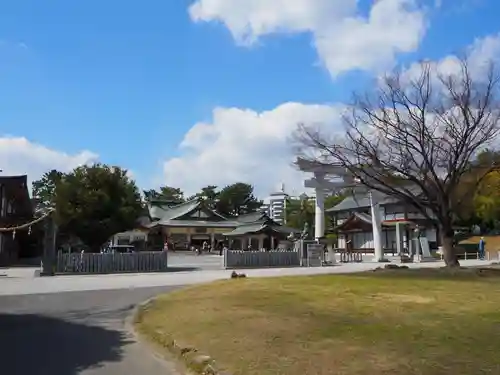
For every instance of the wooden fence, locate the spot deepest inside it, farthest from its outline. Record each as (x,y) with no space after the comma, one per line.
(150,261)
(261,259)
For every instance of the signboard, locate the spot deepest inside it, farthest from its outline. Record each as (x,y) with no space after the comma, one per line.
(315,254)
(424,245)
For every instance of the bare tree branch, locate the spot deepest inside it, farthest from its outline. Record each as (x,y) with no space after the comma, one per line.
(422,132)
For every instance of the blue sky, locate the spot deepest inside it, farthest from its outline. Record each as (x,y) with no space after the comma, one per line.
(128,81)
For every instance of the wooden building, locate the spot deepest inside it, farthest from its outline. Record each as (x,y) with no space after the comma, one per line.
(258,231)
(353,222)
(15,209)
(192,223)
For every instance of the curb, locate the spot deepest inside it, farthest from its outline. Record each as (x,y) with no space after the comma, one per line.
(159,355)
(192,361)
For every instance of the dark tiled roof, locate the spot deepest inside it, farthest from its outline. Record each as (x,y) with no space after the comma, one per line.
(357,201)
(363,217)
(357,217)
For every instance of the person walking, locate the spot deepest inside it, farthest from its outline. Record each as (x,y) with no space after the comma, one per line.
(482,248)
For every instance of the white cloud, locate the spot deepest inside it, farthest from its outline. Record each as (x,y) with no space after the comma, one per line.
(479,55)
(244,145)
(343,37)
(18,156)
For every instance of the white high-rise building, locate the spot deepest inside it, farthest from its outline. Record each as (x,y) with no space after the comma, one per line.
(275,205)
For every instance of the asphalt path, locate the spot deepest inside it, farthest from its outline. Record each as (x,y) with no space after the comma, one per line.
(84,333)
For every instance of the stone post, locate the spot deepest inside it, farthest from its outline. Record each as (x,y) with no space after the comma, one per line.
(377,229)
(49,247)
(399,238)
(319,215)
(212,241)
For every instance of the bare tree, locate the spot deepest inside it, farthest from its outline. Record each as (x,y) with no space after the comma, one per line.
(416,138)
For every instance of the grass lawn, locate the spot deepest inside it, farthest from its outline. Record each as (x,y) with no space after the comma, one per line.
(388,322)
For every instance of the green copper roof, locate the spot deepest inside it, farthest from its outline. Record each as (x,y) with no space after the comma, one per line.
(251,217)
(166,212)
(194,223)
(245,229)
(267,225)
(176,216)
(163,212)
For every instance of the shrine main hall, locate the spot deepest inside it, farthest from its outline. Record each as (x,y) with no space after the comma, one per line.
(192,223)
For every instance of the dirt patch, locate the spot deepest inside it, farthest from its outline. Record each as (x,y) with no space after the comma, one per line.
(403,298)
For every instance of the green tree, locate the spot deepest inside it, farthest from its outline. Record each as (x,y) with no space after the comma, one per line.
(476,196)
(209,195)
(237,199)
(43,190)
(166,193)
(95,202)
(173,194)
(487,200)
(151,194)
(299,212)
(330,202)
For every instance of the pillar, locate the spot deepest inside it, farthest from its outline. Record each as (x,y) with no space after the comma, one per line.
(399,238)
(377,229)
(416,242)
(212,240)
(261,242)
(272,242)
(188,238)
(49,247)
(319,216)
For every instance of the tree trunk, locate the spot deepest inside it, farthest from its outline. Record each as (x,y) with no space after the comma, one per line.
(447,242)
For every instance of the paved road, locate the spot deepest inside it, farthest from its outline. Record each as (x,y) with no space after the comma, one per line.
(21,281)
(73,333)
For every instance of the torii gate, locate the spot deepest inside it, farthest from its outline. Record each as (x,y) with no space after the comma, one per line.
(322,185)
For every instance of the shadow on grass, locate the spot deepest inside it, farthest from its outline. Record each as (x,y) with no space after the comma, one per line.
(40,345)
(479,273)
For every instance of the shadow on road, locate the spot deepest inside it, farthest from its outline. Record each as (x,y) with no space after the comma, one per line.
(41,345)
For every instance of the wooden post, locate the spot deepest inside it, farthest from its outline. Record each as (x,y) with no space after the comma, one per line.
(49,247)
